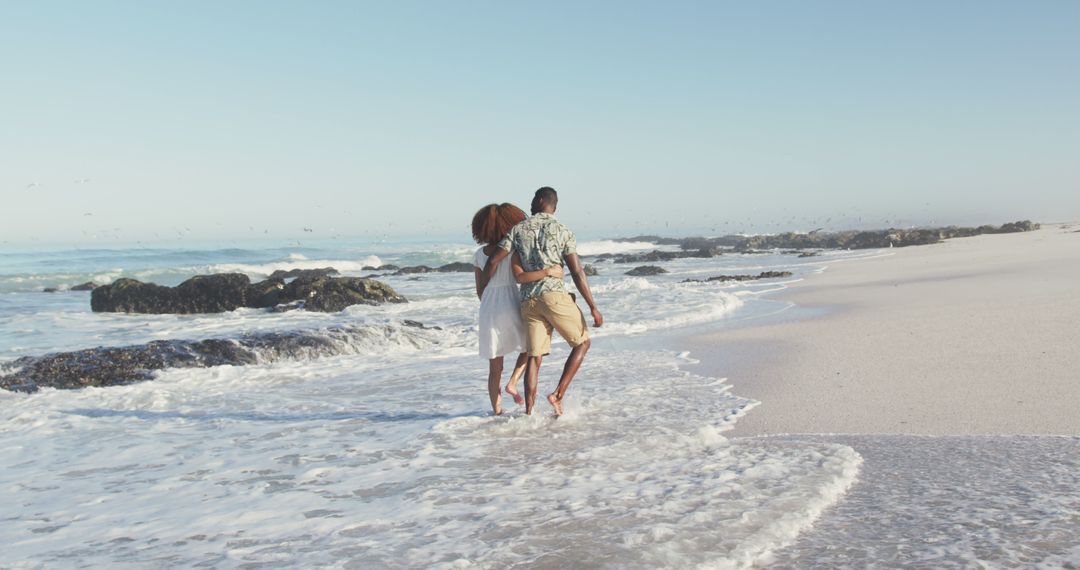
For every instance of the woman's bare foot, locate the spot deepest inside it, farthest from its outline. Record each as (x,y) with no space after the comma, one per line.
(555,403)
(518,398)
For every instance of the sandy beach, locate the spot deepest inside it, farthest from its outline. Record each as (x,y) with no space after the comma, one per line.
(973,336)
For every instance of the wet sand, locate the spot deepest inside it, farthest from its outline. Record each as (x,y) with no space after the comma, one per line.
(974,336)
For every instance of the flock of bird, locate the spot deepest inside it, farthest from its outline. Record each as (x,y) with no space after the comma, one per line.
(743,226)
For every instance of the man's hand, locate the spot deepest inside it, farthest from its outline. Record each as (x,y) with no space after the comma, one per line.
(598,319)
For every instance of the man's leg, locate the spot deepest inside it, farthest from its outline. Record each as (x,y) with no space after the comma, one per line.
(532,374)
(568,319)
(573,362)
(538,337)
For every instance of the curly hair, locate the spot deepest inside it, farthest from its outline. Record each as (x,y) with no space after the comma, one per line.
(493,221)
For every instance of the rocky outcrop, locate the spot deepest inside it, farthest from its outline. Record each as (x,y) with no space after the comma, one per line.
(456,267)
(294,273)
(762,275)
(200,294)
(230,291)
(330,295)
(657,255)
(266,294)
(825,240)
(112,366)
(646,270)
(414,270)
(88,286)
(589,270)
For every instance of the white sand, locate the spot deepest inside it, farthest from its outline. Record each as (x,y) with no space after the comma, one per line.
(973,336)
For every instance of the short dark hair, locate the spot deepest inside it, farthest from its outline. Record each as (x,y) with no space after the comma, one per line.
(548,194)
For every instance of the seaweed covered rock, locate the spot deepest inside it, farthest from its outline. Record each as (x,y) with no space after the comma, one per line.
(230,291)
(646,270)
(330,295)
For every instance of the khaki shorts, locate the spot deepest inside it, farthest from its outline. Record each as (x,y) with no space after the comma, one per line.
(552,311)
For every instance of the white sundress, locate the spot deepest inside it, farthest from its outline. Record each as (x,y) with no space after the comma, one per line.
(502,331)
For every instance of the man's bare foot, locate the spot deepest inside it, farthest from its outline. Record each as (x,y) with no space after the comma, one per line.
(498,411)
(555,403)
(518,398)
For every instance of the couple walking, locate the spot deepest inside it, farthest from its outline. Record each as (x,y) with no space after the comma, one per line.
(528,252)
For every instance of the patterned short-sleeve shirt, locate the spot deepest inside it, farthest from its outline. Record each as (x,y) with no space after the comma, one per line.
(541,241)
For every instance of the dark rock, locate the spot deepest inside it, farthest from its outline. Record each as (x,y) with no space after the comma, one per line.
(456,267)
(294,273)
(646,270)
(762,275)
(589,270)
(832,240)
(330,295)
(1021,226)
(50,290)
(419,325)
(131,296)
(211,293)
(414,269)
(387,267)
(112,366)
(808,254)
(652,256)
(230,291)
(88,286)
(266,294)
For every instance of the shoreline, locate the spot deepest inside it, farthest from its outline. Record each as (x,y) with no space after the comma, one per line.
(972,336)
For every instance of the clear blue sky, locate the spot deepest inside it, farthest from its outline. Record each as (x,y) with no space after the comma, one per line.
(231,119)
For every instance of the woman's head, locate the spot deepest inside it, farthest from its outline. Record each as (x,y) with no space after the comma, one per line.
(493,221)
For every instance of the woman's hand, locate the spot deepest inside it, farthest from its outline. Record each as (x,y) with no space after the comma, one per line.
(555,271)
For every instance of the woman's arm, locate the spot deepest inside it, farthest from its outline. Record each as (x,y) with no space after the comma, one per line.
(522,276)
(481,282)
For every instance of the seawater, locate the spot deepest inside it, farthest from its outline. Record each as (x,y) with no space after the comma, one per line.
(381,452)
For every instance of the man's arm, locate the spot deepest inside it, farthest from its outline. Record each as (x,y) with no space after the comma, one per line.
(493,262)
(522,276)
(577,272)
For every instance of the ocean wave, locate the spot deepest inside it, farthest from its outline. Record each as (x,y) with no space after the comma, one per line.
(297,261)
(385,462)
(613,247)
(110,366)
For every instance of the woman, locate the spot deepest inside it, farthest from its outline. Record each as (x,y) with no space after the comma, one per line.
(501,329)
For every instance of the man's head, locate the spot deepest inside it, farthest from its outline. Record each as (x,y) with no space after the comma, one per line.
(545,200)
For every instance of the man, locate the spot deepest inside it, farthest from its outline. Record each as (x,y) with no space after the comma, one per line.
(537,243)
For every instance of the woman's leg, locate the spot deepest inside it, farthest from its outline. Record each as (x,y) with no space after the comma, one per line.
(495,369)
(519,369)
